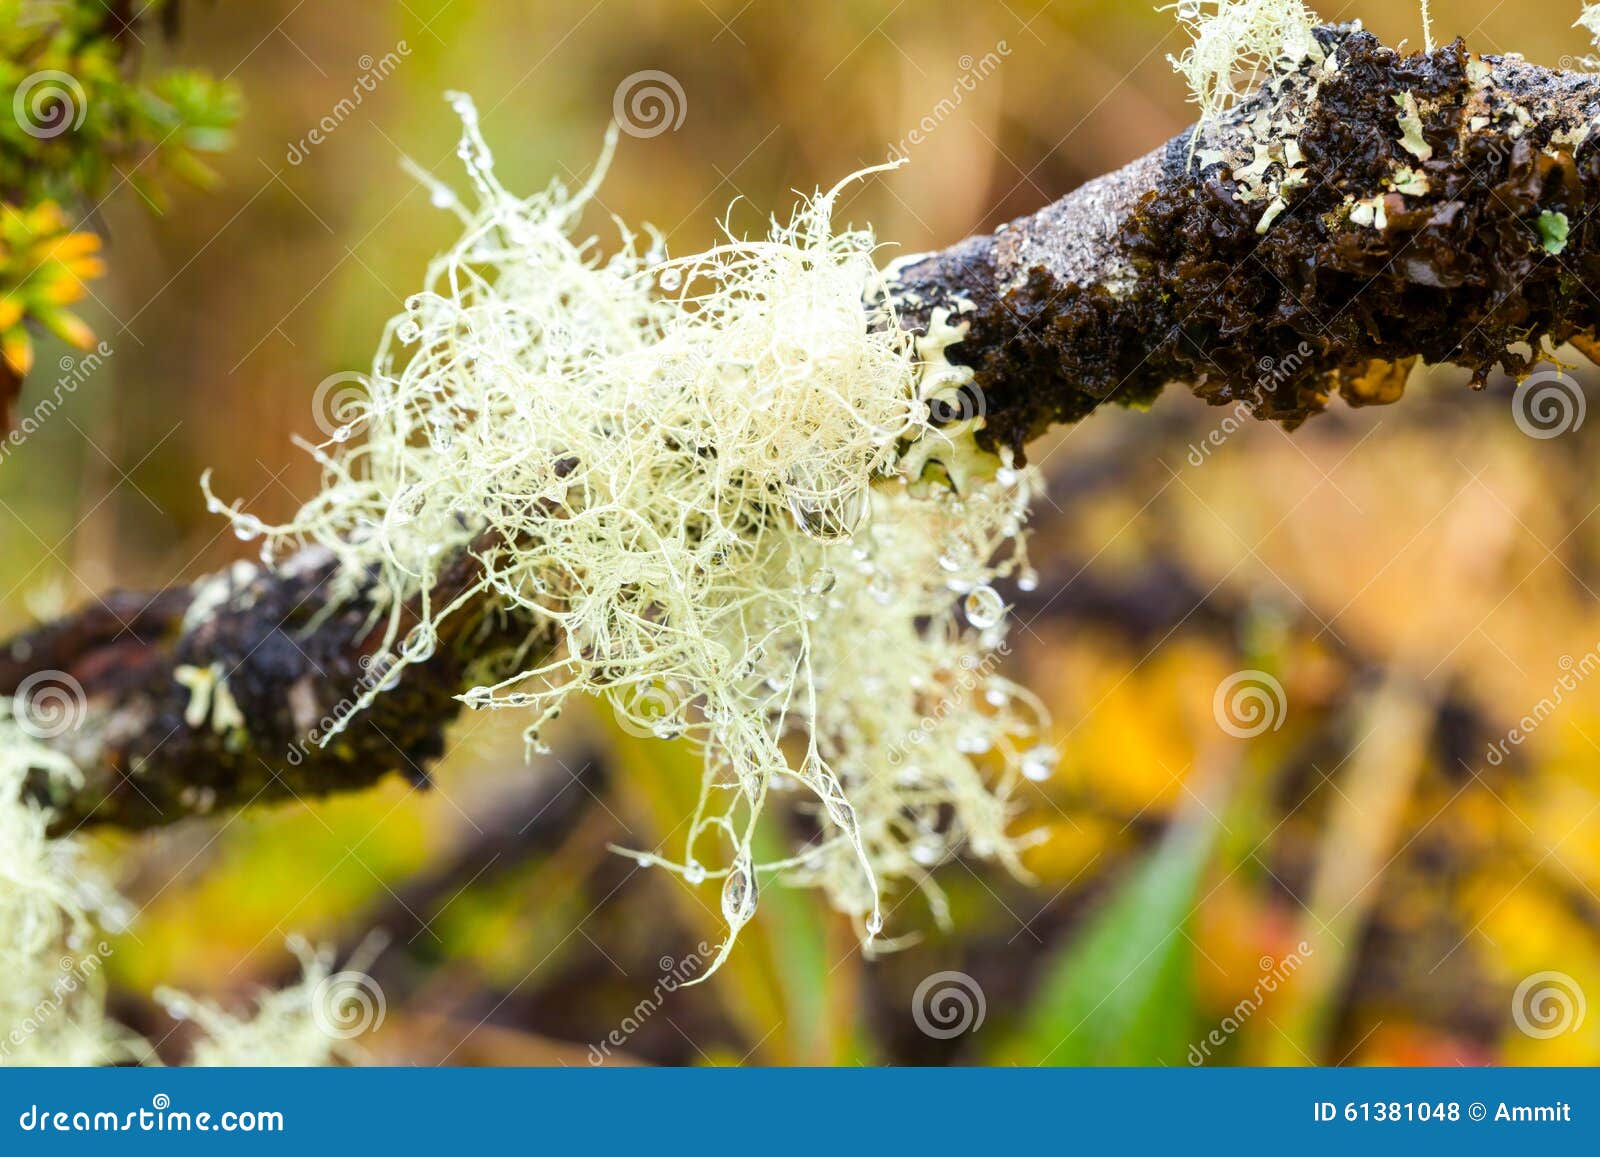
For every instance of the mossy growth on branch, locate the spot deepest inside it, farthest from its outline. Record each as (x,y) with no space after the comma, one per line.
(744,495)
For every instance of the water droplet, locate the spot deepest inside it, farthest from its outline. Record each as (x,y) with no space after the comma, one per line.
(822,581)
(671,280)
(694,872)
(419,645)
(973,741)
(408,332)
(957,556)
(341,434)
(927,852)
(1028,580)
(1039,763)
(739,893)
(984,607)
(874,923)
(996,694)
(246,527)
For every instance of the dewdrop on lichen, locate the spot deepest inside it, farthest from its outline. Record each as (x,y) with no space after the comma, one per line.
(709,474)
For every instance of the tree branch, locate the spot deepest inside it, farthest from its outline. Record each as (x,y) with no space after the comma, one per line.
(1162,272)
(1389,243)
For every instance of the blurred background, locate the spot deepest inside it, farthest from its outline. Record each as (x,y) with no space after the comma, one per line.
(1360,883)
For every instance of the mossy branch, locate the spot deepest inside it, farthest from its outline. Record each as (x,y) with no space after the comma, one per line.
(1360,212)
(1351,217)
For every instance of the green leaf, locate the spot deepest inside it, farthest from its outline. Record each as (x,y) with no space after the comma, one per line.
(1121,991)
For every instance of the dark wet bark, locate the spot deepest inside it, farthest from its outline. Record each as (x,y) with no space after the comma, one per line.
(1158,273)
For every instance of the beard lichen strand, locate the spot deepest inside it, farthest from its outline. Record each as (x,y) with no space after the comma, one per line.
(719,477)
(55,904)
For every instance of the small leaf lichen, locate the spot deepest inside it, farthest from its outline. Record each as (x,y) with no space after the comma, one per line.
(1553,230)
(714,474)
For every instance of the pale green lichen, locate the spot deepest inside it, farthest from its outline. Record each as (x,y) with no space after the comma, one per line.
(1238,43)
(55,904)
(1410,120)
(1409,181)
(718,477)
(1589,21)
(52,1009)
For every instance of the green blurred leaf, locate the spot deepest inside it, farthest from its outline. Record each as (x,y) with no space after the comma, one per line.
(1121,992)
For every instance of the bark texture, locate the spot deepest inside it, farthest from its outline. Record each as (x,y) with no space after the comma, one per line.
(1362,212)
